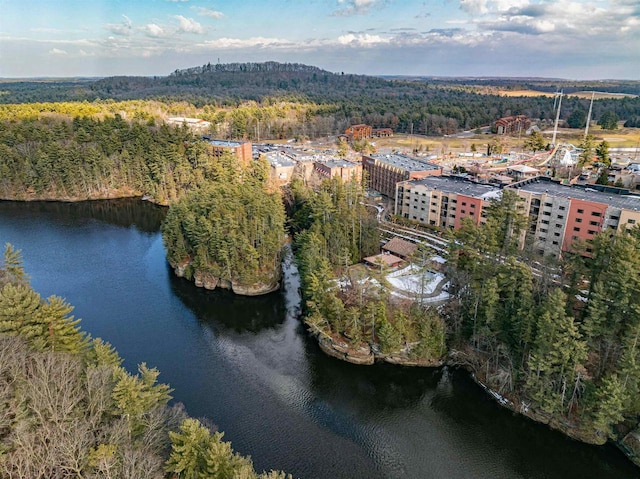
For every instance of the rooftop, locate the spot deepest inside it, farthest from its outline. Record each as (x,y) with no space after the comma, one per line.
(277,158)
(458,186)
(400,247)
(338,164)
(227,143)
(405,162)
(540,185)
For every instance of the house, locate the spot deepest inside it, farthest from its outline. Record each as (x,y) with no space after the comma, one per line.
(510,125)
(400,247)
(383,260)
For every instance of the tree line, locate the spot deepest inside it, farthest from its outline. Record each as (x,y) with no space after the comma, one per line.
(427,106)
(68,409)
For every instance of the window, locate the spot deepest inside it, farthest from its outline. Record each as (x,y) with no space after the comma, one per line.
(547,213)
(473,205)
(464,203)
(555,243)
(556,234)
(558,225)
(463,211)
(542,238)
(615,218)
(575,228)
(542,230)
(596,213)
(580,212)
(544,222)
(433,211)
(560,217)
(574,238)
(548,205)
(594,223)
(433,203)
(578,220)
(562,208)
(592,232)
(631,222)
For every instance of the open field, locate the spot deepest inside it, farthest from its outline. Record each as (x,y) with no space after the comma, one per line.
(535,93)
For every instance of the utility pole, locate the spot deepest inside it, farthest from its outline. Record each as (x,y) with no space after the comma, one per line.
(555,129)
(586,128)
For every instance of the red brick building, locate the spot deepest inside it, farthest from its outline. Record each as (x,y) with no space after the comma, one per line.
(241,150)
(385,171)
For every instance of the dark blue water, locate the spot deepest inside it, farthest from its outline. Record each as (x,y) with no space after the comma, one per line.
(248,366)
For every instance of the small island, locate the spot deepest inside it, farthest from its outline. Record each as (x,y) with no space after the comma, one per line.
(229,233)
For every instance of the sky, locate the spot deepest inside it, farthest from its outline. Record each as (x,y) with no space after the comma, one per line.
(573,39)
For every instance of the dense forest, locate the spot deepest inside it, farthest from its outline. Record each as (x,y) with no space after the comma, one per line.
(229,232)
(84,158)
(68,409)
(430,107)
(559,341)
(333,230)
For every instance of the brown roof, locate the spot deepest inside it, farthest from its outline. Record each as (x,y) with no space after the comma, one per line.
(400,247)
(385,259)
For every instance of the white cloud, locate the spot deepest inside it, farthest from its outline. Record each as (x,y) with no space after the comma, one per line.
(57,51)
(154,30)
(362,39)
(355,7)
(207,12)
(188,25)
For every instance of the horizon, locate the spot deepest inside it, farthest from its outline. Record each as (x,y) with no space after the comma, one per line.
(566,39)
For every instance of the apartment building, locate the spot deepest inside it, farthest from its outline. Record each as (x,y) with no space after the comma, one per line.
(443,201)
(560,215)
(383,172)
(343,169)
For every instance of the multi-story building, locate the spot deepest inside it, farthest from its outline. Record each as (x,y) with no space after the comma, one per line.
(443,201)
(509,125)
(343,169)
(560,215)
(282,166)
(385,171)
(359,132)
(242,150)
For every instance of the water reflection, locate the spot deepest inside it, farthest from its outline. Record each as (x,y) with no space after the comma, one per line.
(222,307)
(126,212)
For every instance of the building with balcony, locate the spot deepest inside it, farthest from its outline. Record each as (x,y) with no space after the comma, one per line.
(383,172)
(443,201)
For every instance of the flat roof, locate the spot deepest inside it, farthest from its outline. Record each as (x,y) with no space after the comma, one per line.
(277,158)
(539,186)
(405,162)
(458,186)
(338,164)
(228,143)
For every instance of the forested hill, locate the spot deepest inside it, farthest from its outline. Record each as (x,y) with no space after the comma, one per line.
(425,107)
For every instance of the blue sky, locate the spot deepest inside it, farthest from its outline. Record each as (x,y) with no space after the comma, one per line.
(591,39)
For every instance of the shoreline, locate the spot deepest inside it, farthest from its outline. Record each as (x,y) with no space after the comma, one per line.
(629,445)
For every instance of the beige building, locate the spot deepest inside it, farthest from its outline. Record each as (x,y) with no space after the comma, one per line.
(345,170)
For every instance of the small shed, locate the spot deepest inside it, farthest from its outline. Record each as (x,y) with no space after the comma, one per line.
(400,247)
(383,260)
